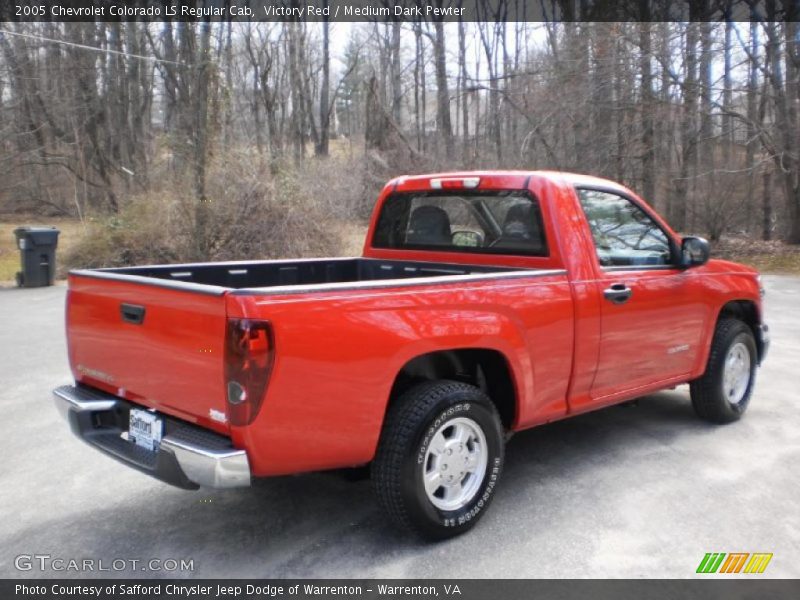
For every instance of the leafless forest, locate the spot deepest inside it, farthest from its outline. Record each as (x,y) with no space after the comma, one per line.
(209,140)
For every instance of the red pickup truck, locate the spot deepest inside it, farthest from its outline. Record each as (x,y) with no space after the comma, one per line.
(484,303)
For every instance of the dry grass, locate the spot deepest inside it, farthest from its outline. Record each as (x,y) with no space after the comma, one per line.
(143,234)
(252,210)
(767,257)
(249,213)
(352,237)
(71,232)
(77,242)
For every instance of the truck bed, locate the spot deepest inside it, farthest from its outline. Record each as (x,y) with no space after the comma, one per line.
(121,320)
(275,273)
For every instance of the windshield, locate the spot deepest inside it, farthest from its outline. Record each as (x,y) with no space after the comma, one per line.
(506,222)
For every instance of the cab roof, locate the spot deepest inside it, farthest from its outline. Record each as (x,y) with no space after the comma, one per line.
(512,178)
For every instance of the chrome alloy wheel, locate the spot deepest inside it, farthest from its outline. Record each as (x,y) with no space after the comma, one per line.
(455,464)
(736,375)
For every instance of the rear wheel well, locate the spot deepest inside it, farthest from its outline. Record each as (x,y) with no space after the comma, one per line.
(486,369)
(747,312)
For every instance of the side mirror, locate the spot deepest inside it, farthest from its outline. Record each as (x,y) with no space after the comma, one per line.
(695,251)
(471,239)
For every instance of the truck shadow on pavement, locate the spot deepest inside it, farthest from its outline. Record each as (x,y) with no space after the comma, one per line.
(325,526)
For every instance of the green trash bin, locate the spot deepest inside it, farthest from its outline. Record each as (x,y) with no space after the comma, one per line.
(37,246)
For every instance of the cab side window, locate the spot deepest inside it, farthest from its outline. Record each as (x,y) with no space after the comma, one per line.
(624,235)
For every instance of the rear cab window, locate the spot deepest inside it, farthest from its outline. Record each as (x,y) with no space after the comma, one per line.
(483,222)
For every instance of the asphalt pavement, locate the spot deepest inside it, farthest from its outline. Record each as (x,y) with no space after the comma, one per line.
(629,491)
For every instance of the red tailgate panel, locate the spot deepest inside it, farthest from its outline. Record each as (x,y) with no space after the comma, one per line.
(172,361)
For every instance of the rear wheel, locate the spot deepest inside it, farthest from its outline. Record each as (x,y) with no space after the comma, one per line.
(722,394)
(439,458)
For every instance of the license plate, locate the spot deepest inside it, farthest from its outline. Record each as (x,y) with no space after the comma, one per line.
(145,429)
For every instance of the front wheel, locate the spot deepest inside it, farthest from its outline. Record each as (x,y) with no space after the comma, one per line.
(722,394)
(439,458)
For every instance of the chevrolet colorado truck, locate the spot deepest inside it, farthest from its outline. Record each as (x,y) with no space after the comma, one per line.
(484,303)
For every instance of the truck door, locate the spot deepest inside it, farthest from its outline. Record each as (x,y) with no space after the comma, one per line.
(650,325)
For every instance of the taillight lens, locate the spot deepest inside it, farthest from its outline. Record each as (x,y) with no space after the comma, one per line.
(455,183)
(249,354)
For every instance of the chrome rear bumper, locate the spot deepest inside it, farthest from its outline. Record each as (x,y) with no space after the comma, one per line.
(188,456)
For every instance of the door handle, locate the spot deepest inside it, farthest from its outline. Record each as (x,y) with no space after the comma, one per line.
(131,313)
(618,293)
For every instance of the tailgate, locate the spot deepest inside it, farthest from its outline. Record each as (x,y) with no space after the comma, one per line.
(161,347)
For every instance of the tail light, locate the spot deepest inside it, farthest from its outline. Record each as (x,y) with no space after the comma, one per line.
(249,354)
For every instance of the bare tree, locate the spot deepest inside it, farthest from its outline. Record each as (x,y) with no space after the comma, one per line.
(701,117)
(324,97)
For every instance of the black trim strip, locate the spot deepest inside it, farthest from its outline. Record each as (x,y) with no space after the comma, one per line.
(395,283)
(642,268)
(229,263)
(212,290)
(182,286)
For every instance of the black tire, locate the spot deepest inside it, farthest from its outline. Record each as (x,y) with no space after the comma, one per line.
(709,396)
(402,457)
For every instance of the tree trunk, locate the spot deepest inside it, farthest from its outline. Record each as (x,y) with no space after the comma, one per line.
(295,79)
(791,33)
(766,225)
(417,83)
(752,117)
(202,232)
(324,100)
(443,123)
(785,94)
(397,83)
(465,94)
(678,205)
(706,82)
(648,142)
